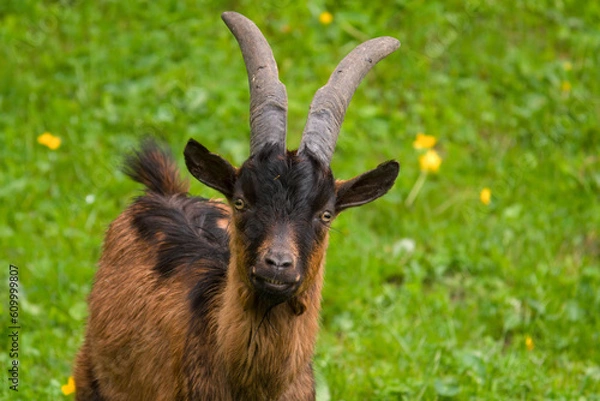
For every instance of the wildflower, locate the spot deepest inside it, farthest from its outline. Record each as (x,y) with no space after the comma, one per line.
(424,141)
(430,161)
(529,343)
(49,140)
(325,18)
(485,196)
(567,66)
(68,388)
(565,86)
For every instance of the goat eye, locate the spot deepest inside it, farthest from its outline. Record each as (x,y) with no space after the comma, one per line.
(239,204)
(326,216)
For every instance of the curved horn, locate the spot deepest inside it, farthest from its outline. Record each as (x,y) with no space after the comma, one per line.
(268,98)
(329,105)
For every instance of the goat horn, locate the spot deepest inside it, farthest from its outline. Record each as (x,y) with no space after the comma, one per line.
(268,98)
(329,105)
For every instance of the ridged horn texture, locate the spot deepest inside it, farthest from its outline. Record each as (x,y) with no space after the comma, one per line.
(268,98)
(329,105)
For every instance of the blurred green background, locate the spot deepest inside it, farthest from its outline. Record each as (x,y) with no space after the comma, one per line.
(445,298)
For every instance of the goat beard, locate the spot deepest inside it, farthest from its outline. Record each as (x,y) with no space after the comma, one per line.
(297,305)
(252,301)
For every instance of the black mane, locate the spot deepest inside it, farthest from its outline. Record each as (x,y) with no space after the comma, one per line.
(184,229)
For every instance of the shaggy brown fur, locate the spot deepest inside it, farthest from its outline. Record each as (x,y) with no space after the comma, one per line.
(146,341)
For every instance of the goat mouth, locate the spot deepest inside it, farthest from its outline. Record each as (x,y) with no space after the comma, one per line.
(274,286)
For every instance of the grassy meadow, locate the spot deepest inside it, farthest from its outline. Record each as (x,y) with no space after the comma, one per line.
(432,292)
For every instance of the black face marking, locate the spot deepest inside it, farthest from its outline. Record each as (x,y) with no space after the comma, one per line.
(283,193)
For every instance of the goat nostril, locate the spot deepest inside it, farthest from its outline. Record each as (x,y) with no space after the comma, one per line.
(279,260)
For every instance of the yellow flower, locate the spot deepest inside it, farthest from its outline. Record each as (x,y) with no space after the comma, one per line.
(325,18)
(68,388)
(49,140)
(424,141)
(565,86)
(485,196)
(529,343)
(430,161)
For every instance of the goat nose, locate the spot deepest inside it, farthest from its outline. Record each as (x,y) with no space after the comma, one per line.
(279,259)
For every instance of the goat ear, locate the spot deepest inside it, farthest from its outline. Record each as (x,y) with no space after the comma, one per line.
(366,187)
(209,168)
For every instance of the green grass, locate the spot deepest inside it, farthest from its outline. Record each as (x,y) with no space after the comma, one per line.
(510,89)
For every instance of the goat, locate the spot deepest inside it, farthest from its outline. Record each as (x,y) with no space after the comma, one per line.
(198,299)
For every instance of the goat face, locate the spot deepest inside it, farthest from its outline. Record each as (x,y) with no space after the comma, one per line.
(282,208)
(283,201)
(283,205)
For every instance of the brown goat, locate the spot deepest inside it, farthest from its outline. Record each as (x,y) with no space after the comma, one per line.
(202,300)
